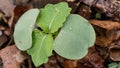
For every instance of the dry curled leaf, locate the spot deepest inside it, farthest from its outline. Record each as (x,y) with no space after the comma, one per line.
(108,25)
(115,54)
(11,57)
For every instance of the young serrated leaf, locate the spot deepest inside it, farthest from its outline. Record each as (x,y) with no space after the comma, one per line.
(42,47)
(74,38)
(52,17)
(24,28)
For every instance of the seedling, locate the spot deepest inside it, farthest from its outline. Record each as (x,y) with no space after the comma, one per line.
(75,34)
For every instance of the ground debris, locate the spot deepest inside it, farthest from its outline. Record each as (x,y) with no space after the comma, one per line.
(111,8)
(89,2)
(108,41)
(41,3)
(11,57)
(115,54)
(52,63)
(3,39)
(70,64)
(92,60)
(103,41)
(84,11)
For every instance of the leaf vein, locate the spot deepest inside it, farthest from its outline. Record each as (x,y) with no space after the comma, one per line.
(51,22)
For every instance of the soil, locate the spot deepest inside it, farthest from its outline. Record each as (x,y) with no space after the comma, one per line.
(104,15)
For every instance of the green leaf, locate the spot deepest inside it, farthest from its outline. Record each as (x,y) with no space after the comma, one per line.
(24,28)
(113,65)
(52,17)
(74,38)
(42,47)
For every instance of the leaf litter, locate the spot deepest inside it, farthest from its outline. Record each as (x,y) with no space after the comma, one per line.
(11,57)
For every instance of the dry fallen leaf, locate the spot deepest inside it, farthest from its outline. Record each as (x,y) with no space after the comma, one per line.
(11,57)
(108,25)
(107,41)
(7,7)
